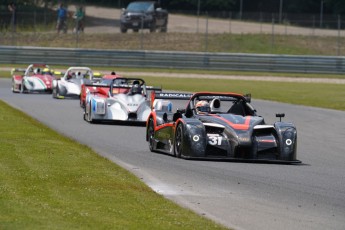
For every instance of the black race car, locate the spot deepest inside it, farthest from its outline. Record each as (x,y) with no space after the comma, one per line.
(220,126)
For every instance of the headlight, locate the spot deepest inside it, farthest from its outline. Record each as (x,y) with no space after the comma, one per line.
(243,138)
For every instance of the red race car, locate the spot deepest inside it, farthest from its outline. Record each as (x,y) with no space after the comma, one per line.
(35,78)
(102,86)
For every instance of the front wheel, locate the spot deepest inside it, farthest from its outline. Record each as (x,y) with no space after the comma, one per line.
(153,27)
(81,102)
(87,114)
(164,29)
(23,88)
(150,134)
(178,144)
(13,87)
(123,30)
(56,92)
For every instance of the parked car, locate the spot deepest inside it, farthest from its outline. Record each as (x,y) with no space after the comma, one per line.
(144,15)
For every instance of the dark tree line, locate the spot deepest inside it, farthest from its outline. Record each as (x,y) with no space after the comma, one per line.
(267,6)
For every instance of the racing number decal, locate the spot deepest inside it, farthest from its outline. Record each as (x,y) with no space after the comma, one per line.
(215,139)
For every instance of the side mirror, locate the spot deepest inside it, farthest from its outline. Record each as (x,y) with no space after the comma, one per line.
(280,115)
(248,97)
(181,111)
(177,116)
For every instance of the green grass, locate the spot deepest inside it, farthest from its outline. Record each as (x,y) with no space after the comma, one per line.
(51,182)
(104,70)
(225,42)
(322,95)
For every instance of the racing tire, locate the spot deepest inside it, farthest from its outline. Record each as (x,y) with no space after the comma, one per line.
(164,29)
(87,115)
(13,87)
(150,134)
(82,104)
(54,93)
(23,88)
(123,30)
(178,143)
(153,27)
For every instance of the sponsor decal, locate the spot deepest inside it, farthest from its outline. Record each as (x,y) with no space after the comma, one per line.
(214,139)
(288,142)
(181,95)
(196,138)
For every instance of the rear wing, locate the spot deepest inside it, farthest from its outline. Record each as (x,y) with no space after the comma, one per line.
(96,84)
(171,95)
(97,77)
(247,97)
(187,96)
(17,70)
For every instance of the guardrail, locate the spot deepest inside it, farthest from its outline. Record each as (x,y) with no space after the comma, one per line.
(173,60)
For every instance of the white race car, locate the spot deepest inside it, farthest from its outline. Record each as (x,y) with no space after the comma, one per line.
(128,103)
(69,86)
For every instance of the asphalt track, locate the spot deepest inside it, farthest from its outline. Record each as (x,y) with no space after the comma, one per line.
(239,195)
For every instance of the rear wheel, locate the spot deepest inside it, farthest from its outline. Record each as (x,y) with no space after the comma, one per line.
(164,29)
(123,30)
(178,145)
(88,114)
(150,134)
(153,27)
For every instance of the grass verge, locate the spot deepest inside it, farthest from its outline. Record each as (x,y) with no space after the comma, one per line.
(104,70)
(193,42)
(329,96)
(51,182)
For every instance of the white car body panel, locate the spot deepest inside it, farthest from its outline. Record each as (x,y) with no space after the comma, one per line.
(119,107)
(35,84)
(69,86)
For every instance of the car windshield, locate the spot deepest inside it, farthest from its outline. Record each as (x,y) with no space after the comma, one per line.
(140,6)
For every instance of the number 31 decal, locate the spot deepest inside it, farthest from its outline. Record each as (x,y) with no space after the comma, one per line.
(215,140)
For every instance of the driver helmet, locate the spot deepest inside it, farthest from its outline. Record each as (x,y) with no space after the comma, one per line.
(136,89)
(202,107)
(70,75)
(46,71)
(37,70)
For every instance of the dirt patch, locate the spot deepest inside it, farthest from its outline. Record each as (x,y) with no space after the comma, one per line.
(106,20)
